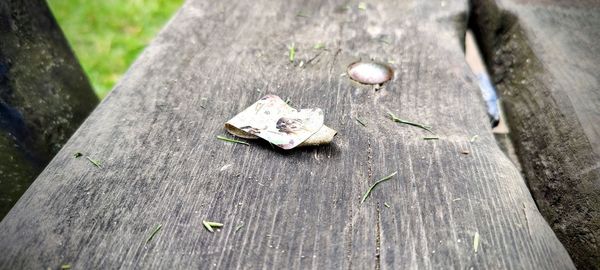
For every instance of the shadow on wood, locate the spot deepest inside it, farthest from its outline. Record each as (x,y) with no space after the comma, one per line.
(44,95)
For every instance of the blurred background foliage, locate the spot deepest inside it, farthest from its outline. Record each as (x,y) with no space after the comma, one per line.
(108,35)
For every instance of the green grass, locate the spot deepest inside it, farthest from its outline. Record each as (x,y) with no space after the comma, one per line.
(108,35)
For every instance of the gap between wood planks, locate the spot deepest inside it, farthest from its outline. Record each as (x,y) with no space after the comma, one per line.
(501,131)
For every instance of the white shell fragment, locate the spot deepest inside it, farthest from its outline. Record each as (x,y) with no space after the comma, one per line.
(273,120)
(370,72)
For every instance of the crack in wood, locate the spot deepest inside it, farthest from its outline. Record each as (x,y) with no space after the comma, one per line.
(314,57)
(335,56)
(526,220)
(369,160)
(378,240)
(349,239)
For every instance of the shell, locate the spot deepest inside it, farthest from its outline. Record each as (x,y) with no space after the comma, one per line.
(370,72)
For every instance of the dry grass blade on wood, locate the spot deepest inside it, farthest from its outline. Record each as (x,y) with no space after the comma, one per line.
(154,233)
(214,224)
(360,121)
(210,225)
(402,121)
(231,140)
(95,162)
(476,242)
(374,185)
(292,52)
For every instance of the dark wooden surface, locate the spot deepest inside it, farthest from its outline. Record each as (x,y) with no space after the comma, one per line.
(44,95)
(545,57)
(161,163)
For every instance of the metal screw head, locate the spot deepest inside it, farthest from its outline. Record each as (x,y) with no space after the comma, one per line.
(370,72)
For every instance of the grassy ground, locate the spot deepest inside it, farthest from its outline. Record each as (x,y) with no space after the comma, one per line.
(107,35)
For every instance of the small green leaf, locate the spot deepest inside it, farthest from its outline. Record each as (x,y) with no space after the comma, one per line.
(386,205)
(65,266)
(77,155)
(362,6)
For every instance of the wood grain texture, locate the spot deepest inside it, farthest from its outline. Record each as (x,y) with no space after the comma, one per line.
(155,136)
(544,58)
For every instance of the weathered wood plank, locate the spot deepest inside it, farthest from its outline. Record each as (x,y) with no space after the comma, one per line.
(44,95)
(544,56)
(155,136)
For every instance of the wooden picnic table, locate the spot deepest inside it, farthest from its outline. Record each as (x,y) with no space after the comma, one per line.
(456,202)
